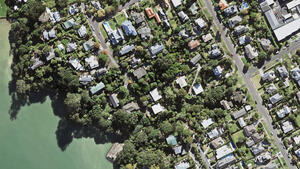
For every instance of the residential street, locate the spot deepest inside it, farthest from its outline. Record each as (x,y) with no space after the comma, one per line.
(247,79)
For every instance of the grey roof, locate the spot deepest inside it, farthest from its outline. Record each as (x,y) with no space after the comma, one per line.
(239,113)
(101,71)
(231,10)
(46,35)
(137,17)
(85,79)
(265,43)
(92,61)
(242,122)
(76,64)
(183,16)
(282,71)
(96,4)
(182,165)
(156,49)
(244,40)
(71,47)
(73,9)
(37,63)
(249,130)
(88,45)
(114,100)
(215,53)
(264,6)
(131,107)
(51,55)
(250,52)
(234,20)
(256,149)
(116,36)
(129,28)
(139,73)
(126,49)
(224,162)
(145,32)
(200,22)
(82,31)
(195,59)
(177,149)
(213,133)
(69,23)
(241,29)
(273,21)
(276,98)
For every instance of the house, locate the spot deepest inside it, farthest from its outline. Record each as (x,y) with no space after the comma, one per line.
(82,31)
(223,4)
(149,13)
(183,165)
(298,95)
(137,17)
(71,23)
(256,137)
(145,33)
(183,16)
(97,88)
(297,152)
(85,79)
(92,61)
(249,142)
(71,47)
(296,139)
(183,33)
(60,47)
(213,133)
(135,61)
(157,18)
(243,6)
(76,64)
(249,130)
(217,142)
(129,28)
(197,88)
(155,95)
(283,112)
(139,73)
(296,74)
(56,16)
(282,71)
(96,5)
(181,82)
(239,113)
(88,45)
(250,52)
(238,97)
(244,40)
(223,151)
(265,44)
(195,59)
(272,89)
(234,21)
(263,158)
(51,55)
(126,49)
(156,49)
(200,23)
(276,98)
(132,106)
(286,83)
(115,36)
(207,122)
(207,37)
(241,122)
(287,126)
(177,150)
(225,162)
(171,140)
(114,101)
(114,151)
(194,9)
(176,3)
(218,71)
(257,149)
(49,35)
(73,9)
(227,105)
(36,63)
(241,29)
(100,72)
(268,76)
(215,52)
(231,10)
(193,44)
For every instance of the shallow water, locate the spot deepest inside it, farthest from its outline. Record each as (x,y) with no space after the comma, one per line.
(29,142)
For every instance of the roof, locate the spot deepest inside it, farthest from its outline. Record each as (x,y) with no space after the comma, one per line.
(137,17)
(96,4)
(200,22)
(224,162)
(207,37)
(140,72)
(218,71)
(98,87)
(239,113)
(156,49)
(60,47)
(227,105)
(181,81)
(231,10)
(197,88)
(129,28)
(287,126)
(145,32)
(177,149)
(92,61)
(268,76)
(115,36)
(183,165)
(51,55)
(276,98)
(171,140)
(126,49)
(157,108)
(71,47)
(114,151)
(213,133)
(37,63)
(297,152)
(249,130)
(176,3)
(223,151)
(283,112)
(282,71)
(256,149)
(131,107)
(195,59)
(273,21)
(287,29)
(242,122)
(193,44)
(207,122)
(244,40)
(223,4)
(217,142)
(149,12)
(234,20)
(114,100)
(155,95)
(183,16)
(82,31)
(85,79)
(76,64)
(88,45)
(194,8)
(293,4)
(296,139)
(250,52)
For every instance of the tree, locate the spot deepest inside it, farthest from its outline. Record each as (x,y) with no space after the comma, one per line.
(73,102)
(101,13)
(21,86)
(166,127)
(109,10)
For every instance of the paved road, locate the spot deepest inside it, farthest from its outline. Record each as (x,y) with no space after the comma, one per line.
(207,163)
(261,109)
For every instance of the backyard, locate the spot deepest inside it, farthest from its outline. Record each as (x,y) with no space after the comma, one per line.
(3,8)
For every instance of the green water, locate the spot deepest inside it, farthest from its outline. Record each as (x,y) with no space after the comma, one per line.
(29,142)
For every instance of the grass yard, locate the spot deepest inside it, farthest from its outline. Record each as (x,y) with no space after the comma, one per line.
(120,18)
(256,79)
(228,118)
(112,24)
(238,136)
(224,46)
(201,3)
(3,8)
(298,120)
(102,30)
(233,127)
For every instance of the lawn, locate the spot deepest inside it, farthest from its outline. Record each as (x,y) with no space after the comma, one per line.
(233,127)
(112,24)
(201,3)
(238,136)
(3,8)
(256,81)
(224,46)
(102,30)
(120,18)
(298,120)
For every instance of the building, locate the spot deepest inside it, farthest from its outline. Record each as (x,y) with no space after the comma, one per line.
(114,151)
(241,122)
(268,76)
(195,59)
(71,47)
(296,75)
(231,10)
(116,36)
(276,98)
(176,3)
(272,19)
(155,95)
(265,44)
(60,47)
(49,35)
(85,79)
(100,72)
(135,61)
(97,88)
(193,44)
(207,37)
(92,61)
(36,63)
(250,52)
(137,17)
(96,5)
(223,151)
(183,16)
(298,95)
(183,165)
(238,114)
(213,133)
(149,13)
(132,106)
(218,71)
(227,105)
(129,28)
(69,24)
(243,40)
(207,122)
(249,142)
(194,9)
(171,140)
(296,139)
(177,150)
(249,130)
(297,152)
(257,149)
(263,158)
(282,71)
(50,55)
(76,64)
(241,29)
(256,137)
(238,97)
(126,49)
(88,45)
(215,53)
(156,49)
(114,101)
(234,21)
(217,142)
(181,82)
(200,23)
(283,112)
(73,9)
(287,126)
(183,33)
(225,162)
(139,73)
(82,31)
(197,88)
(145,33)
(271,89)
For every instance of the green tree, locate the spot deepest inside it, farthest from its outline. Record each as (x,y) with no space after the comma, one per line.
(73,102)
